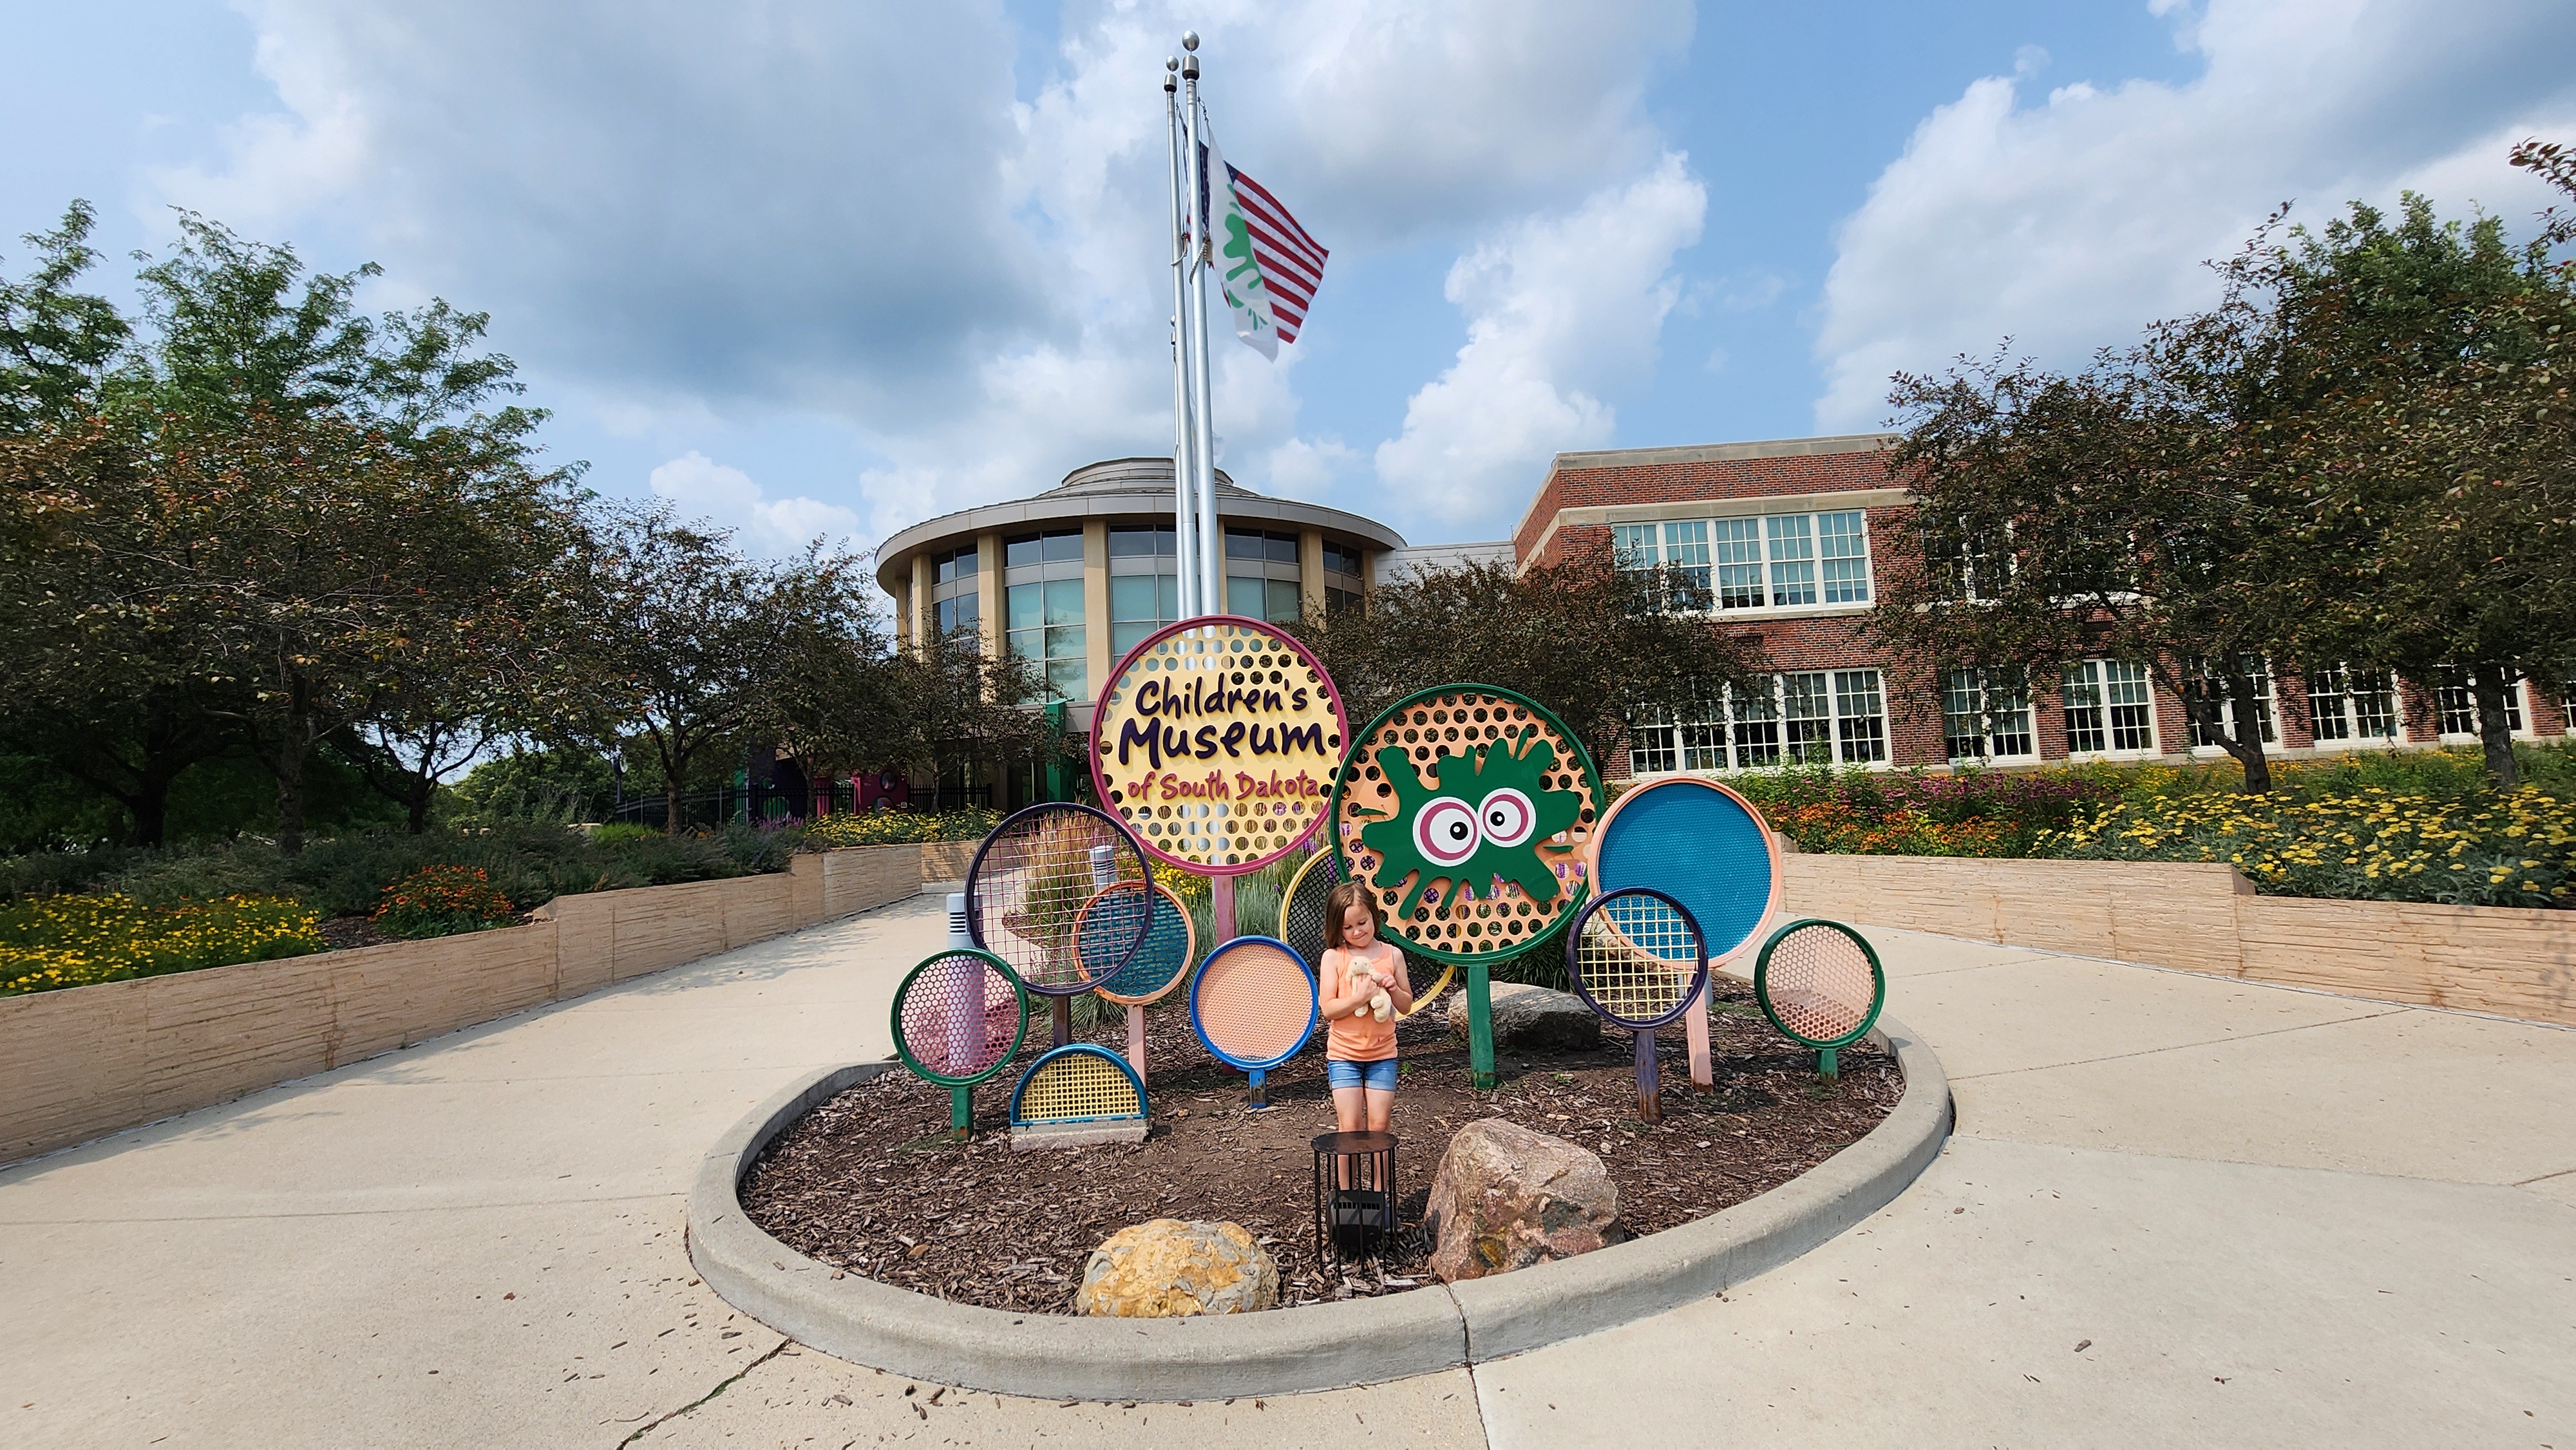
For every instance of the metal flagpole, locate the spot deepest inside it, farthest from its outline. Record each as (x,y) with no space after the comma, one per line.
(1184,429)
(1211,532)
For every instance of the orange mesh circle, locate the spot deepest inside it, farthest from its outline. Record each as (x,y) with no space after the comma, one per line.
(1253,1002)
(1818,983)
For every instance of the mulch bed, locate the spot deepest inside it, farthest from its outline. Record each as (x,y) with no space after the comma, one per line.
(871,1183)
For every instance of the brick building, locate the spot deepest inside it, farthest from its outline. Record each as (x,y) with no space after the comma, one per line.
(1783,541)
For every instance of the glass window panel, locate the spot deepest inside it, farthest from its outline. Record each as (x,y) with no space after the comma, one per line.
(1124,637)
(1736,550)
(2459,703)
(1064,546)
(2086,732)
(1066,678)
(1167,598)
(1704,746)
(2260,676)
(1026,549)
(1132,543)
(1242,544)
(1285,601)
(1022,606)
(1843,542)
(1247,597)
(1634,545)
(2374,705)
(1963,723)
(1028,643)
(1756,719)
(1860,717)
(1793,556)
(1279,548)
(1063,601)
(2133,706)
(1807,705)
(1133,597)
(1650,747)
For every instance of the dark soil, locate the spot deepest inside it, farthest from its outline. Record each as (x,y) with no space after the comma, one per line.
(871,1182)
(340,933)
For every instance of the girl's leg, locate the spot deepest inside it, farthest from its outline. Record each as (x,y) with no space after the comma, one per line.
(1349,1109)
(1381,1107)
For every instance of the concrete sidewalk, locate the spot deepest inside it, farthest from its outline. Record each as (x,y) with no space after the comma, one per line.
(2268,1216)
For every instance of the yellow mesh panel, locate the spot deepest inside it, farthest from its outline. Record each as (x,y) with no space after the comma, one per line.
(1075,1087)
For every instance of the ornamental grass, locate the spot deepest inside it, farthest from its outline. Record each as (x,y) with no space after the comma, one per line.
(71,941)
(899,828)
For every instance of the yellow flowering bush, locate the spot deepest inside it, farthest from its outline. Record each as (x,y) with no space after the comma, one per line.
(71,941)
(895,828)
(2511,849)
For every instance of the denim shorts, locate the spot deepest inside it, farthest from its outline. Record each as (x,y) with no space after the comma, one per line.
(1379,1075)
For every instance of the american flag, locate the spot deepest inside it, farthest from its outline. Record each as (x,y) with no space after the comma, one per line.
(1292,263)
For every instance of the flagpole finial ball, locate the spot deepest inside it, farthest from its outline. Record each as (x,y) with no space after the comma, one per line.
(1189,40)
(1171,62)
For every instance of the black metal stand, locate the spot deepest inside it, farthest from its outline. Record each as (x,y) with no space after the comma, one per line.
(1355,1199)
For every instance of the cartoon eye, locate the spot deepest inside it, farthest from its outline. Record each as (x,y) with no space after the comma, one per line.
(1445,831)
(1507,817)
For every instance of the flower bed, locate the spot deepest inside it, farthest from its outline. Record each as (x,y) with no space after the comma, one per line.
(71,941)
(898,828)
(2516,849)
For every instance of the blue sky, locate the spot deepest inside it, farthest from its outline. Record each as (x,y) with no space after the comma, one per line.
(833,267)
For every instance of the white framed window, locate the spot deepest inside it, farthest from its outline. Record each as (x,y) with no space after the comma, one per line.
(1805,717)
(1985,715)
(2349,706)
(2110,709)
(2457,705)
(2260,674)
(2567,706)
(1766,561)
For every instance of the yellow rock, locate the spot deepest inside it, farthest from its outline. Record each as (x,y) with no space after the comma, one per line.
(1167,1268)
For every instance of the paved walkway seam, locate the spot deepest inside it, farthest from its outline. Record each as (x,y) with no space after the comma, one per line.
(1282,1351)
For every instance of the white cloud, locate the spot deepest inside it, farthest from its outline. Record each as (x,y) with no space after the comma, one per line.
(2069,224)
(688,218)
(1558,309)
(704,488)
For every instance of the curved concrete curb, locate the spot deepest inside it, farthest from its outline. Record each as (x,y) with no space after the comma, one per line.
(1322,1346)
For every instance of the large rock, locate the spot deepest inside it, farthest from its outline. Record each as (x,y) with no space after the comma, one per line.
(1527,1016)
(1506,1197)
(1167,1268)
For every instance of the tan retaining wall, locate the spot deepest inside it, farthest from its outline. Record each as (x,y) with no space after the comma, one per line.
(86,1061)
(2506,960)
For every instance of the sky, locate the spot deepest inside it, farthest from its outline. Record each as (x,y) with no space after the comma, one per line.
(830,267)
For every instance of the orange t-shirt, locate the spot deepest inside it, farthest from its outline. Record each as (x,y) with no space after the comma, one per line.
(1362,1038)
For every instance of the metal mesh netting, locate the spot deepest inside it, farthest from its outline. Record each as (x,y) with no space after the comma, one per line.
(1818,983)
(1254,1002)
(1030,884)
(1301,925)
(1636,957)
(958,1016)
(1158,965)
(1698,843)
(1075,1086)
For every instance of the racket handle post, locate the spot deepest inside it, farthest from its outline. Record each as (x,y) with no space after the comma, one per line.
(1260,1089)
(1136,1041)
(961,1111)
(1061,1023)
(1695,1032)
(1829,1063)
(1650,1084)
(1221,906)
(1480,1027)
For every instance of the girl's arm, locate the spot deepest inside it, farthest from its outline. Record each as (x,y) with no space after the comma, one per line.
(1399,987)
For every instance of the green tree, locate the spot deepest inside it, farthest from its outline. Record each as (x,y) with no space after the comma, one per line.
(1594,643)
(954,703)
(55,343)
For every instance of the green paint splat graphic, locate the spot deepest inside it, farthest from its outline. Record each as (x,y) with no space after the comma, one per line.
(1484,821)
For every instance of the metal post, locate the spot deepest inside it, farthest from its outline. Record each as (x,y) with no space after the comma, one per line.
(1194,313)
(1480,1027)
(1184,425)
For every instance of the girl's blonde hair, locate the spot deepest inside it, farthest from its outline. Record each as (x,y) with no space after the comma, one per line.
(1337,909)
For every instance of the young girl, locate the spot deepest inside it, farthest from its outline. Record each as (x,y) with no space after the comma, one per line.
(1359,1050)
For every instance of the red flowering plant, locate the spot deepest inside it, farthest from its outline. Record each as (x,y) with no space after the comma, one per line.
(442,901)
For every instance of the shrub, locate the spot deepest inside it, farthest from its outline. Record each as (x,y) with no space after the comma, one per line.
(896,828)
(441,901)
(623,833)
(71,941)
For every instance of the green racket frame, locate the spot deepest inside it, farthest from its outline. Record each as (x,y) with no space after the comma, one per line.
(961,1091)
(1828,1054)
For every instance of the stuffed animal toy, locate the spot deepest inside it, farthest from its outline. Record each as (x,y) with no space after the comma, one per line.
(1379,1005)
